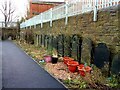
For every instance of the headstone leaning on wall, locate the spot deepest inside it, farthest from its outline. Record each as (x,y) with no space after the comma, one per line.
(60,39)
(54,42)
(102,58)
(115,69)
(67,47)
(86,50)
(50,42)
(76,47)
(46,41)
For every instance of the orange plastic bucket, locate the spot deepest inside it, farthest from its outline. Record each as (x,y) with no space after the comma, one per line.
(83,70)
(72,66)
(66,59)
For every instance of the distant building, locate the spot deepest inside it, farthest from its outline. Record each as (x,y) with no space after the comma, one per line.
(39,6)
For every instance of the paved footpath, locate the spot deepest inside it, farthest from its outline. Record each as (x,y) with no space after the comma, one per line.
(20,71)
(0,66)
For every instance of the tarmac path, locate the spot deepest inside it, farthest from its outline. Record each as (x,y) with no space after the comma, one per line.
(20,71)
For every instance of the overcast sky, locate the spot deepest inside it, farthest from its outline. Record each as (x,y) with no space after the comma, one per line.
(21,6)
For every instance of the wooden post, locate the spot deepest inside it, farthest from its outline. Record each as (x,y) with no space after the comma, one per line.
(35,26)
(41,20)
(66,12)
(110,2)
(95,11)
(51,17)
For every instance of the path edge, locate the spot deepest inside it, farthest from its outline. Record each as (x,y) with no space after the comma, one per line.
(40,65)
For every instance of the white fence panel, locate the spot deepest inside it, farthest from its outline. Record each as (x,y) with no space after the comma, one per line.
(71,8)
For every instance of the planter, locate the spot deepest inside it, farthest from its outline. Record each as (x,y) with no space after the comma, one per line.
(54,60)
(47,58)
(66,59)
(83,70)
(72,66)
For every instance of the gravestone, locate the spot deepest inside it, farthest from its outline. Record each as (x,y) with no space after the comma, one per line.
(76,47)
(43,40)
(86,49)
(46,41)
(35,38)
(67,47)
(102,57)
(49,42)
(40,39)
(37,41)
(60,45)
(54,42)
(115,69)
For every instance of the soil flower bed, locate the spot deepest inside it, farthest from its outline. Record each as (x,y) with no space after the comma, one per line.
(93,80)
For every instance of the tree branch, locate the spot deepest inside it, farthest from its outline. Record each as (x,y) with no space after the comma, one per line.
(7,11)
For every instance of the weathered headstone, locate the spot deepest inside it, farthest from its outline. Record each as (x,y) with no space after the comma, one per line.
(50,42)
(54,42)
(40,39)
(46,41)
(86,50)
(61,45)
(102,57)
(76,47)
(43,38)
(37,39)
(116,64)
(67,47)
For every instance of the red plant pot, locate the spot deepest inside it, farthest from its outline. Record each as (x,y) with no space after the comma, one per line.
(88,69)
(72,66)
(47,58)
(83,70)
(66,59)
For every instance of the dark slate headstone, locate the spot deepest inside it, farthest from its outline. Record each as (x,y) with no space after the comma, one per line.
(60,45)
(86,50)
(101,55)
(67,47)
(76,47)
(39,40)
(37,37)
(115,69)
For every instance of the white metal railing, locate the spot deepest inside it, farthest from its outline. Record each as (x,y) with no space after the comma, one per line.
(71,8)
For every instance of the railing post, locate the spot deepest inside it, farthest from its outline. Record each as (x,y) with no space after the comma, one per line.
(82,5)
(41,20)
(35,26)
(66,12)
(51,17)
(103,4)
(95,11)
(110,2)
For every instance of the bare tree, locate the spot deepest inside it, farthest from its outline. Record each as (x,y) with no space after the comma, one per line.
(8,11)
